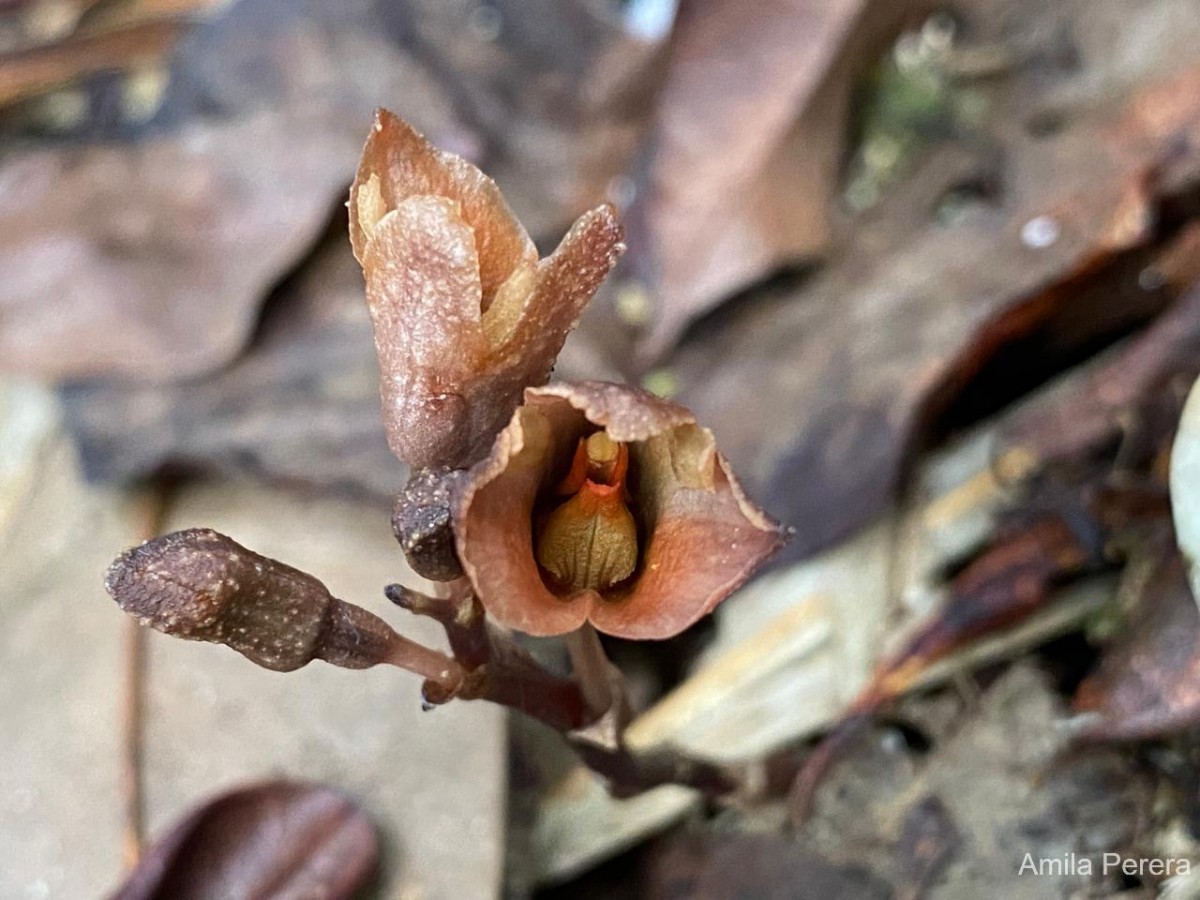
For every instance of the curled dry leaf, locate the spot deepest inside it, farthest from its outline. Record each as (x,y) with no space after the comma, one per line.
(1010,580)
(748,134)
(606,504)
(1078,422)
(1146,684)
(465,315)
(278,839)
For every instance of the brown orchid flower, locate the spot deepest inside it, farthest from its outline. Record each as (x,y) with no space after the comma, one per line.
(465,315)
(601,503)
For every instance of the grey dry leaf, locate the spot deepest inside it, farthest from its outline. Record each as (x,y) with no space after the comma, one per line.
(301,407)
(857,398)
(465,315)
(152,260)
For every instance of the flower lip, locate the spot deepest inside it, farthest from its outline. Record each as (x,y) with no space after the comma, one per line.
(590,540)
(698,536)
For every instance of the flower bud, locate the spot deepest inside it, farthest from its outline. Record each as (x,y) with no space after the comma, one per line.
(201,585)
(421,523)
(465,315)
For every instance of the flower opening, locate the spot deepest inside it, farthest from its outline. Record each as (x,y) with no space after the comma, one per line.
(603,503)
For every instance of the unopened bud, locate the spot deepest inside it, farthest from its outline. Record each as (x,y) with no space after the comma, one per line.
(201,585)
(422,524)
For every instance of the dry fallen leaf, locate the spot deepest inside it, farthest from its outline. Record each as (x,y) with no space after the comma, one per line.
(273,840)
(152,259)
(1145,686)
(302,406)
(1096,409)
(863,359)
(748,131)
(146,245)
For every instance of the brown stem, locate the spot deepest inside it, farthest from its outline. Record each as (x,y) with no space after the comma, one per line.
(131,744)
(590,711)
(431,665)
(150,510)
(496,667)
(591,668)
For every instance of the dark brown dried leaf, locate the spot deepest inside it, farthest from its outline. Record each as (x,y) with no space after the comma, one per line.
(279,840)
(748,137)
(1015,574)
(864,358)
(1146,684)
(1011,579)
(1097,410)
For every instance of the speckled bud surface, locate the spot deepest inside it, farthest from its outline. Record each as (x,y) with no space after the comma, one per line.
(201,585)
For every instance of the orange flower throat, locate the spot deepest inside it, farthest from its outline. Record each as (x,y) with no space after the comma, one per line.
(590,540)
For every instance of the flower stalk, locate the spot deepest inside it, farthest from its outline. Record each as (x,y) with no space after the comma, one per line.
(599,680)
